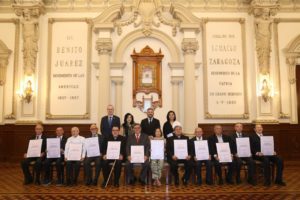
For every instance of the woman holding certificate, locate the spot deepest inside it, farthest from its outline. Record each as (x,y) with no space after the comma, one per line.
(157,156)
(74,154)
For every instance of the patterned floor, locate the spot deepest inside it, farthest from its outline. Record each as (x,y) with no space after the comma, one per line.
(11,188)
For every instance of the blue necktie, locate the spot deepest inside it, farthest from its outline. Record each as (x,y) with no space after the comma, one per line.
(110,121)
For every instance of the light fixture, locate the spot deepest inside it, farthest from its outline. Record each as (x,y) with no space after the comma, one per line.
(265,88)
(26,90)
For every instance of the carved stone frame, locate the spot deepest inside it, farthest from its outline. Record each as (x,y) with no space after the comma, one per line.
(89,45)
(147,60)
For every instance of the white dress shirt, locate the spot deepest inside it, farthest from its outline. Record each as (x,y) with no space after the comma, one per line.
(75,140)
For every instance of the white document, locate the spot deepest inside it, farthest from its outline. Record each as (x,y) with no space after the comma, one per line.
(34,148)
(243,147)
(267,145)
(224,153)
(137,154)
(92,147)
(201,150)
(75,151)
(180,149)
(113,150)
(53,147)
(157,149)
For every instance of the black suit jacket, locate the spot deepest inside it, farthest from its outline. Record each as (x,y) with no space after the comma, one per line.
(170,145)
(233,139)
(212,140)
(104,126)
(167,128)
(143,140)
(44,145)
(149,129)
(192,143)
(255,144)
(119,138)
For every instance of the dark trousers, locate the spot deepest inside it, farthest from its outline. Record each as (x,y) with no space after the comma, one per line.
(208,166)
(88,169)
(117,170)
(59,169)
(37,169)
(72,171)
(218,170)
(188,165)
(266,160)
(238,162)
(143,174)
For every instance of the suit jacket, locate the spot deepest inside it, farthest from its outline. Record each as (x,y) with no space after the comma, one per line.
(149,128)
(170,145)
(233,139)
(192,143)
(167,128)
(255,144)
(212,140)
(143,140)
(104,125)
(119,138)
(100,141)
(44,145)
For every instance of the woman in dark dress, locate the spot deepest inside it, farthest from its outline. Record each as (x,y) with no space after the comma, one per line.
(127,126)
(168,125)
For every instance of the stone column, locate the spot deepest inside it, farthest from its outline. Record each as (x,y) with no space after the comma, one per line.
(118,96)
(189,48)
(104,48)
(291,62)
(175,94)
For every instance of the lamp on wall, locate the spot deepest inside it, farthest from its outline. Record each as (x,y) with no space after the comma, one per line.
(265,90)
(26,90)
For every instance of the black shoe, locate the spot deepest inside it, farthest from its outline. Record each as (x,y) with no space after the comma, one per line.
(176,181)
(238,181)
(143,183)
(37,182)
(46,183)
(281,183)
(103,185)
(95,183)
(230,182)
(251,182)
(267,184)
(27,182)
(221,182)
(88,183)
(209,183)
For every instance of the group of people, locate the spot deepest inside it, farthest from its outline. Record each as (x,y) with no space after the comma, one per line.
(130,134)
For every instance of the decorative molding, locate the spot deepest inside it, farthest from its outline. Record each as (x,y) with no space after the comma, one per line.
(104,46)
(265,121)
(4,55)
(189,46)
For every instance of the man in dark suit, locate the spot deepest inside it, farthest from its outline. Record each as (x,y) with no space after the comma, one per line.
(238,127)
(58,161)
(138,138)
(219,137)
(38,161)
(198,137)
(108,121)
(118,163)
(258,155)
(174,161)
(150,124)
(97,159)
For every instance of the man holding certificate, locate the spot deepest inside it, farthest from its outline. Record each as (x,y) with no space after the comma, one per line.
(219,138)
(263,150)
(200,153)
(35,152)
(138,151)
(179,151)
(114,150)
(242,152)
(93,146)
(74,154)
(55,153)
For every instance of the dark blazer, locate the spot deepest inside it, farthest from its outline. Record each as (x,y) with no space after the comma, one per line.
(44,144)
(170,145)
(233,139)
(167,128)
(149,128)
(100,141)
(192,140)
(119,138)
(212,140)
(143,140)
(104,125)
(255,144)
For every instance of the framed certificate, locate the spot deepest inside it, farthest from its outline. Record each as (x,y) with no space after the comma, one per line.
(92,147)
(157,149)
(137,154)
(53,147)
(267,145)
(243,147)
(180,149)
(75,151)
(34,148)
(224,152)
(113,150)
(201,150)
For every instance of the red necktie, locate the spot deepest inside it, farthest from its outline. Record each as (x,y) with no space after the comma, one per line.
(137,139)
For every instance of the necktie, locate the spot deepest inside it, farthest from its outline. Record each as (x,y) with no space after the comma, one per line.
(37,137)
(137,138)
(110,121)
